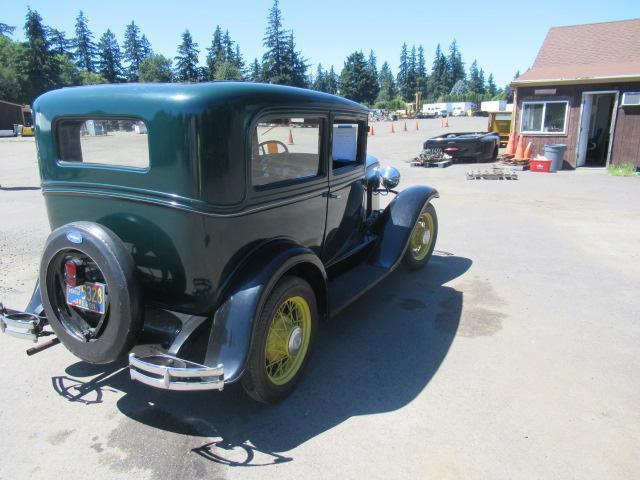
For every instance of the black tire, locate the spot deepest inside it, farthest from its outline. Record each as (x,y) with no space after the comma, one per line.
(118,328)
(255,380)
(409,259)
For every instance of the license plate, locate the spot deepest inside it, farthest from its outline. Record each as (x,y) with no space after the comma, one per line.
(90,296)
(433,151)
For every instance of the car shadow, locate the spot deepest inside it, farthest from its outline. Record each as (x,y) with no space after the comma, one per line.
(377,356)
(17,189)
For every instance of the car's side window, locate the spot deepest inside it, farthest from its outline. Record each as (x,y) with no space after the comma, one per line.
(120,142)
(285,149)
(344,148)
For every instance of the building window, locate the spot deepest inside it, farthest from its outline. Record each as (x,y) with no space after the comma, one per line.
(544,117)
(285,149)
(118,142)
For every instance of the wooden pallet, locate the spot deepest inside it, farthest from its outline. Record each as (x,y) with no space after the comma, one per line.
(492,174)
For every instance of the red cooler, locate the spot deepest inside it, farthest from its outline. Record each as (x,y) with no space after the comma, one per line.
(540,165)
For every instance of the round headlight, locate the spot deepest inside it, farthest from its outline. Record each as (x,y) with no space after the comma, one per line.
(390,177)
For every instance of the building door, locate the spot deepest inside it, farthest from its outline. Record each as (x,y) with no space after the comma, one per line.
(596,128)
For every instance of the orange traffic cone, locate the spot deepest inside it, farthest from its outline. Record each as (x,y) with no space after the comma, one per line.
(445,122)
(528,151)
(511,148)
(393,128)
(417,126)
(520,149)
(405,126)
(373,132)
(290,140)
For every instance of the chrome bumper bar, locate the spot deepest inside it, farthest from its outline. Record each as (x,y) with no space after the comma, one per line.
(173,373)
(19,324)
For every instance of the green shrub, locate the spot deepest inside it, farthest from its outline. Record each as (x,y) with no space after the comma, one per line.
(625,169)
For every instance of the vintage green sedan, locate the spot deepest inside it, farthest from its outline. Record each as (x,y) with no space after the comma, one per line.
(206,230)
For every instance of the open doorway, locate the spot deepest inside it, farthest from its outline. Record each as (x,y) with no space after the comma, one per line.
(596,128)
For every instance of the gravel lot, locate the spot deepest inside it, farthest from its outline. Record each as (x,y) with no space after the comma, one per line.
(513,355)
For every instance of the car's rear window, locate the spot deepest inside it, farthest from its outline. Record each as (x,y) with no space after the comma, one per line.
(118,142)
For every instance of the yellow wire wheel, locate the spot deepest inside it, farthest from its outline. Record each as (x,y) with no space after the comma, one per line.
(288,340)
(421,236)
(422,239)
(283,337)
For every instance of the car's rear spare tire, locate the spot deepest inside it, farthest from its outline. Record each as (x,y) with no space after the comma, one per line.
(86,264)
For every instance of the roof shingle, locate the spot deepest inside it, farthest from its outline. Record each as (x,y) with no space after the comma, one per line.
(596,50)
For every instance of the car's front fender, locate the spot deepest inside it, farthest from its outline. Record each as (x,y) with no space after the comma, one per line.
(396,223)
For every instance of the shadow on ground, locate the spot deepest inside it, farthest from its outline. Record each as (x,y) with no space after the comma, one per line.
(375,357)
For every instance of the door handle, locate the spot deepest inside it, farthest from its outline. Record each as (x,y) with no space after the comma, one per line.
(330,195)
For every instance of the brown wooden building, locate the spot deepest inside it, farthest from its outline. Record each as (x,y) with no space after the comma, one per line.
(584,91)
(13,113)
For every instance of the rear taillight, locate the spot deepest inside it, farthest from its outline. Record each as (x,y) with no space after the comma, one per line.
(72,272)
(451,149)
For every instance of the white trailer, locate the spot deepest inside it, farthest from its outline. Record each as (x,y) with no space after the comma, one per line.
(437,109)
(460,109)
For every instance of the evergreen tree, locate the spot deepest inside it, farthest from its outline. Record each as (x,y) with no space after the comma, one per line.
(295,64)
(38,64)
(227,70)
(476,84)
(6,30)
(408,88)
(421,72)
(215,53)
(60,44)
(332,81)
(85,47)
(438,83)
(357,81)
(491,88)
(455,66)
(227,44)
(145,47)
(238,61)
(387,84)
(134,50)
(273,60)
(481,84)
(256,71)
(109,58)
(156,69)
(373,69)
(186,68)
(12,78)
(320,81)
(403,69)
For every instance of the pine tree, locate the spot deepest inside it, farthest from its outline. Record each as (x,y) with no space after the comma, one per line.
(227,44)
(156,68)
(438,83)
(421,72)
(476,85)
(256,71)
(481,83)
(60,44)
(238,60)
(357,81)
(388,89)
(39,66)
(455,66)
(403,69)
(85,47)
(295,64)
(373,69)
(408,88)
(332,81)
(186,68)
(275,42)
(215,53)
(145,47)
(6,30)
(491,88)
(134,50)
(109,58)
(320,81)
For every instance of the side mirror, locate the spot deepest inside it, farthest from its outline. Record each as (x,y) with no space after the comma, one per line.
(390,177)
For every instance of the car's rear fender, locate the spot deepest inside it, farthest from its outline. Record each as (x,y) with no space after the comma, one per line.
(231,332)
(396,224)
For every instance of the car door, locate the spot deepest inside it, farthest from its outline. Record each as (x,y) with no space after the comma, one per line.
(347,193)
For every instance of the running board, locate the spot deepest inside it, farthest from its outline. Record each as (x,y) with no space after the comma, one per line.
(359,279)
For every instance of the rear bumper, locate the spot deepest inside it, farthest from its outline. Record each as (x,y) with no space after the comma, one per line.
(19,324)
(172,373)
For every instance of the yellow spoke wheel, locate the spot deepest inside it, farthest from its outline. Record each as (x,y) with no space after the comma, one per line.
(422,236)
(288,340)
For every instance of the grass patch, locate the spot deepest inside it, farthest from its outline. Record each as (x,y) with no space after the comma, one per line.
(626,169)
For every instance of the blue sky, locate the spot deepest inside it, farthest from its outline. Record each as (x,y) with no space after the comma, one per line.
(504,36)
